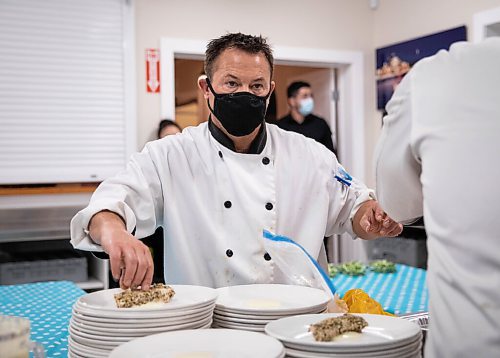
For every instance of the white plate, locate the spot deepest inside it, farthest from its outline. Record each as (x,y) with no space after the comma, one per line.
(378,350)
(252,319)
(406,350)
(73,354)
(96,339)
(86,353)
(114,332)
(92,343)
(270,299)
(382,332)
(255,315)
(137,332)
(106,345)
(134,328)
(114,336)
(86,350)
(242,320)
(265,314)
(220,343)
(186,296)
(301,354)
(134,311)
(404,344)
(85,314)
(242,328)
(260,326)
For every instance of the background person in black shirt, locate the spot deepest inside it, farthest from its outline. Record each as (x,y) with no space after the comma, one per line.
(301,120)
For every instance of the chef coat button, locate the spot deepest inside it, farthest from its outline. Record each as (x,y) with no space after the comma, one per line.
(229,252)
(269,206)
(267,257)
(265,161)
(220,154)
(227,204)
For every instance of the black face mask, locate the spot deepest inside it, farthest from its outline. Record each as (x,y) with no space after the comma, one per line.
(240,112)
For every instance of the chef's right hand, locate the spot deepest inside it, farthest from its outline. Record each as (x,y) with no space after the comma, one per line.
(131,261)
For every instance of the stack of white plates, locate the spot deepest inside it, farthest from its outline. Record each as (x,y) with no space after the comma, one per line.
(251,307)
(97,325)
(203,343)
(384,337)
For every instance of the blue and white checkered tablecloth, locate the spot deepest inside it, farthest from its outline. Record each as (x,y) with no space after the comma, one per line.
(48,305)
(404,291)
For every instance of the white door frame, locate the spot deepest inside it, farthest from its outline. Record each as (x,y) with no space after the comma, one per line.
(351,124)
(482,20)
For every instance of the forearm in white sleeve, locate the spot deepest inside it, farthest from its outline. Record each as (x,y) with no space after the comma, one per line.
(397,171)
(134,194)
(347,194)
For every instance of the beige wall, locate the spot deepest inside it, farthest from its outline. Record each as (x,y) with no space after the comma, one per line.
(328,24)
(399,20)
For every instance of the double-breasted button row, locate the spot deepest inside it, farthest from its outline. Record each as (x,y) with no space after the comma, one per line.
(229,253)
(228,204)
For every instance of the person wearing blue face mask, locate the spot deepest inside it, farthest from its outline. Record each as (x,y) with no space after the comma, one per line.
(301,118)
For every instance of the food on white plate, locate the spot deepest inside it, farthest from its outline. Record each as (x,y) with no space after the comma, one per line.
(327,329)
(157,293)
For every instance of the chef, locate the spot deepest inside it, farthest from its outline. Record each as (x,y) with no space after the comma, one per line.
(216,187)
(436,158)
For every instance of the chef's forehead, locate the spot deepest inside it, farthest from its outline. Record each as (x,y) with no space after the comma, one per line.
(241,65)
(247,43)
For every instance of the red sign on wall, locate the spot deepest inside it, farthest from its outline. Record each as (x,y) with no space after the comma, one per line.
(153,70)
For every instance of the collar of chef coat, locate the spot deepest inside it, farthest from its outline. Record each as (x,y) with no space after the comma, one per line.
(256,147)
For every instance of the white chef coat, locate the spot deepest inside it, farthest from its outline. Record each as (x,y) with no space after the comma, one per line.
(214,203)
(438,156)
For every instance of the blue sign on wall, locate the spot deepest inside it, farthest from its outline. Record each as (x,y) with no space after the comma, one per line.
(394,61)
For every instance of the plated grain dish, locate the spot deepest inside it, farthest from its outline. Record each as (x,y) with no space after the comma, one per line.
(157,293)
(327,329)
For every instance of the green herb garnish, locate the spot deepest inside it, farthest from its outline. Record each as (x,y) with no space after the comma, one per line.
(353,268)
(332,270)
(383,266)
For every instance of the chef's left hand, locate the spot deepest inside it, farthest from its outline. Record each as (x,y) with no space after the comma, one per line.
(371,222)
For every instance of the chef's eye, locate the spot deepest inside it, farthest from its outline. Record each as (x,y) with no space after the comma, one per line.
(257,87)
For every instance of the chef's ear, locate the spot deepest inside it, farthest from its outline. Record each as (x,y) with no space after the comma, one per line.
(273,86)
(203,86)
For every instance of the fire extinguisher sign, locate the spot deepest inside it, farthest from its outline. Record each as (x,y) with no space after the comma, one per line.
(153,70)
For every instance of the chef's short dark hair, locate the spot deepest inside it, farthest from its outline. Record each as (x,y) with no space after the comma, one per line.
(165,123)
(294,87)
(247,43)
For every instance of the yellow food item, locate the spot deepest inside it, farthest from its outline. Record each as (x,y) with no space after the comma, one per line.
(358,301)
